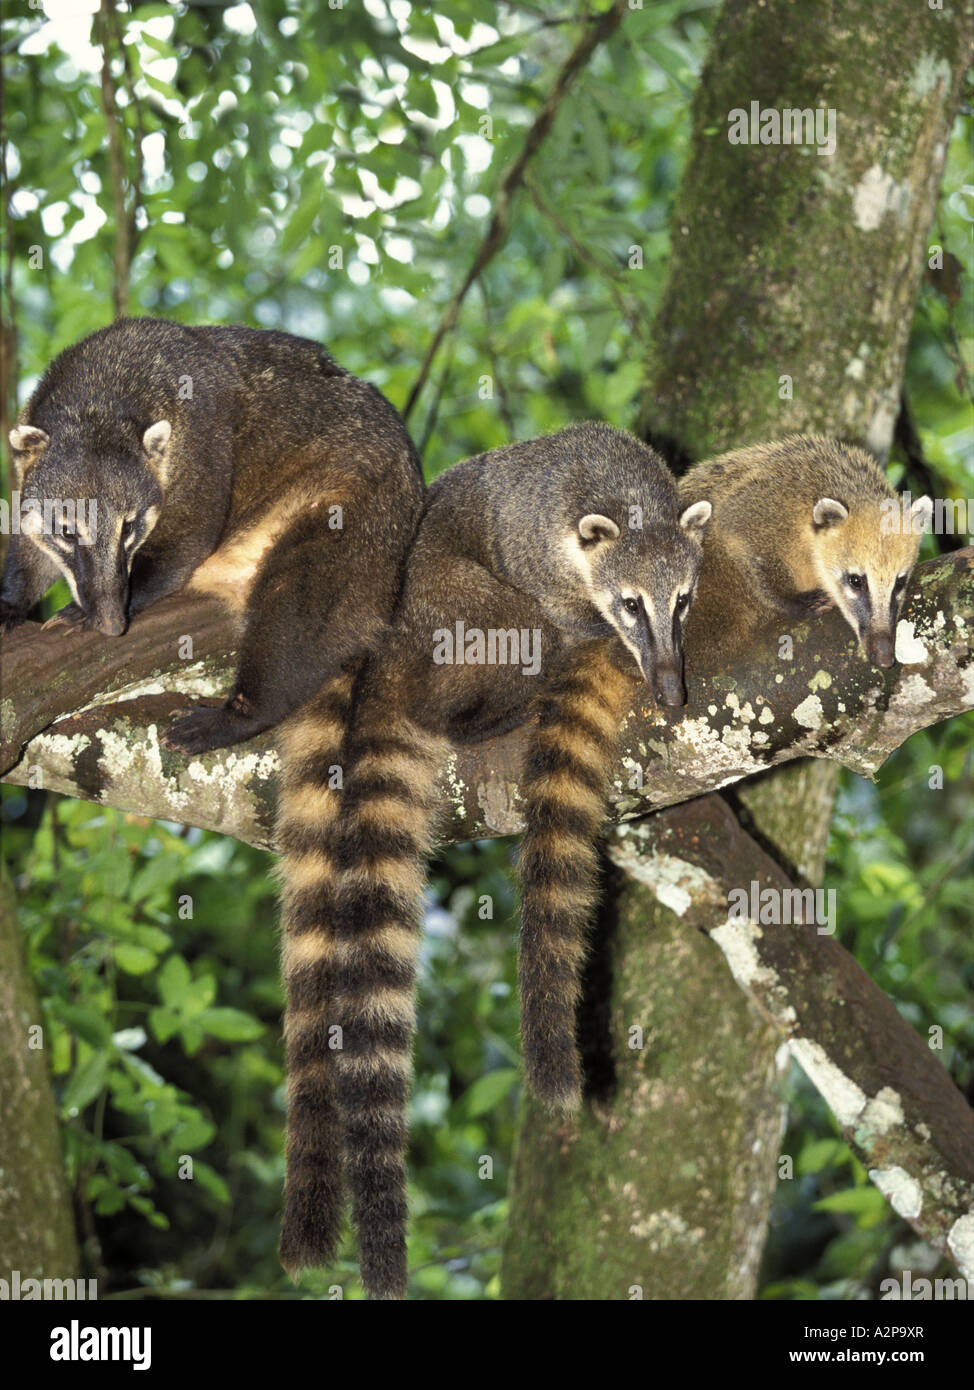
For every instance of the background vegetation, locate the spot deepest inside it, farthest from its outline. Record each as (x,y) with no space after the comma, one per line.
(333,172)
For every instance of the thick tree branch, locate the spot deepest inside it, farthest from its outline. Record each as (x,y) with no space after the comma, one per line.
(896,1104)
(81,714)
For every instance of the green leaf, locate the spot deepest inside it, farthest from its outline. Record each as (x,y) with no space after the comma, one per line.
(487,1092)
(135,960)
(210,1179)
(89,1025)
(866,1203)
(174,981)
(821,1154)
(164,1024)
(232,1025)
(87,1082)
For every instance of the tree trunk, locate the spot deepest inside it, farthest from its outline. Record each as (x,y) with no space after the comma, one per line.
(36,1223)
(787,309)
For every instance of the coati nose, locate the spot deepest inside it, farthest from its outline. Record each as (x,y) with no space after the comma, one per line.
(879,649)
(113,625)
(669,688)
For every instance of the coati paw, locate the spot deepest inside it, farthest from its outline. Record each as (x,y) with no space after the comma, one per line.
(70,616)
(205,728)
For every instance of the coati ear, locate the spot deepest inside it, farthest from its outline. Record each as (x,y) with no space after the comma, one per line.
(695,518)
(155,443)
(920,514)
(27,443)
(828,512)
(594,528)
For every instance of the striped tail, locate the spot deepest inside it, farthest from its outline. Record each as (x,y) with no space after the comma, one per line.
(390,807)
(564,789)
(311,746)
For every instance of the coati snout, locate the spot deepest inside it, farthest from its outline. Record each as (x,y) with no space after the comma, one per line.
(864,565)
(800,525)
(643,581)
(90,516)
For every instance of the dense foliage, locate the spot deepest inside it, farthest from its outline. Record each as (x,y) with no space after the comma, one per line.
(332,171)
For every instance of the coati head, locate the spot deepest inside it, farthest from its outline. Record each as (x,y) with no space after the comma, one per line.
(642,581)
(864,563)
(89,510)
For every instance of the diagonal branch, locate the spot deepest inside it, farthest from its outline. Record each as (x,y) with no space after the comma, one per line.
(896,1104)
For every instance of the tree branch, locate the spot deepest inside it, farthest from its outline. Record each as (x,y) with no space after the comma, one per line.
(81,715)
(896,1104)
(116,163)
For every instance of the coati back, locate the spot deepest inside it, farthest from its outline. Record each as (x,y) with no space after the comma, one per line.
(799,526)
(242,463)
(574,544)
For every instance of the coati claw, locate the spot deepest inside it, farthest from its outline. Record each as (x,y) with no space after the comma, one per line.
(70,616)
(206,727)
(190,732)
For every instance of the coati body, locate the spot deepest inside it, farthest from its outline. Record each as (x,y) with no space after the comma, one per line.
(577,538)
(242,463)
(799,526)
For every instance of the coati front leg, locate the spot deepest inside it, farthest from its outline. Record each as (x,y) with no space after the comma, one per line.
(565,785)
(27,575)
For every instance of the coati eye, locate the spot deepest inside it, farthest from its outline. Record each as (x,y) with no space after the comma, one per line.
(631,605)
(128,531)
(855,581)
(900,584)
(682,604)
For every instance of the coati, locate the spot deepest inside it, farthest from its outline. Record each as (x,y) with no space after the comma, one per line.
(576,544)
(243,463)
(800,525)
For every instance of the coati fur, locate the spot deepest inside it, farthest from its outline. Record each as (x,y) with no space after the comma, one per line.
(799,526)
(237,462)
(578,538)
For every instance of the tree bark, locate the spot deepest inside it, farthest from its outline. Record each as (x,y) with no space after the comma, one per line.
(36,1222)
(788,308)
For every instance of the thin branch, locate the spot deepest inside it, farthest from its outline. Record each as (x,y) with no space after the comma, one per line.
(434,410)
(597,33)
(495,366)
(138,177)
(116,160)
(627,311)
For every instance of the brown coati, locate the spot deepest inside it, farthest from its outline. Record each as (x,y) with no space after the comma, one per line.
(799,526)
(242,463)
(545,577)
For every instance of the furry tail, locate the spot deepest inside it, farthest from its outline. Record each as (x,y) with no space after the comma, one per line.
(389,810)
(565,782)
(311,746)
